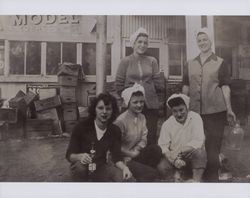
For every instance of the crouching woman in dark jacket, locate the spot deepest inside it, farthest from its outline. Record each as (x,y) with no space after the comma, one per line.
(99,134)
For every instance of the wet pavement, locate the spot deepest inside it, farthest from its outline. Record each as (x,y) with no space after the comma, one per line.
(43,160)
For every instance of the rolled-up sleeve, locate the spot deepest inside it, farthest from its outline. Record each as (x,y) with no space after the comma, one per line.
(224,74)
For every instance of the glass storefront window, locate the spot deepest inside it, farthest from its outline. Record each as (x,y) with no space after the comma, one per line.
(53,58)
(1,57)
(176,59)
(17,57)
(33,58)
(69,52)
(89,59)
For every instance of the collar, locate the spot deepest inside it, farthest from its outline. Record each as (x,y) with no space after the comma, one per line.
(211,57)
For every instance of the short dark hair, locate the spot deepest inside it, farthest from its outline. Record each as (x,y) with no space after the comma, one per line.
(141,34)
(175,102)
(107,99)
(199,33)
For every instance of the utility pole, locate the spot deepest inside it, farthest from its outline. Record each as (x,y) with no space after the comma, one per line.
(101,53)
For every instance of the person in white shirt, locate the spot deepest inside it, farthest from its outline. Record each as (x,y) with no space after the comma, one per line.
(182,140)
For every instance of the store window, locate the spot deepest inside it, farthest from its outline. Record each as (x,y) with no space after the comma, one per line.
(53,58)
(58,53)
(25,58)
(89,58)
(1,57)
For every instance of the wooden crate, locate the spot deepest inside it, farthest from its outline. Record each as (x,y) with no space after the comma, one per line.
(69,105)
(47,103)
(69,69)
(70,125)
(38,127)
(30,97)
(70,114)
(9,115)
(68,99)
(48,114)
(68,80)
(18,103)
(68,91)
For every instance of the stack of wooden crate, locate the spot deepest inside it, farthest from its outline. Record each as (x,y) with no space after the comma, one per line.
(68,78)
(47,114)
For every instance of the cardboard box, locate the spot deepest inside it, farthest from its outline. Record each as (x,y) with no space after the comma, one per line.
(47,103)
(68,80)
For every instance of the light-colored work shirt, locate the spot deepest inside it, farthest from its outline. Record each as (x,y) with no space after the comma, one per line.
(134,131)
(174,135)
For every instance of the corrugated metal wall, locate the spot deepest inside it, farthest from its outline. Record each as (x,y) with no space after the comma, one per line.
(158,27)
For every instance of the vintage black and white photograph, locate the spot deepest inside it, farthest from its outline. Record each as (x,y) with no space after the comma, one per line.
(125,98)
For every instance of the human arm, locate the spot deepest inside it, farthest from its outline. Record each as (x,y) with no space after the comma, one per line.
(144,132)
(224,83)
(164,142)
(125,170)
(156,77)
(231,117)
(185,80)
(121,75)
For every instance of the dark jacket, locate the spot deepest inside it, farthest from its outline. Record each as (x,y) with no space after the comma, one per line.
(84,134)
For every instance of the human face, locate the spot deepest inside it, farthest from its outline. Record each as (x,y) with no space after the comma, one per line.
(141,45)
(203,42)
(136,104)
(180,113)
(103,112)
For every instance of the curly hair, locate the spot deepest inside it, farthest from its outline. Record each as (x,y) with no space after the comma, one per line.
(107,99)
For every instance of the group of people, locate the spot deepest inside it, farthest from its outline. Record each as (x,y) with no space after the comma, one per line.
(190,139)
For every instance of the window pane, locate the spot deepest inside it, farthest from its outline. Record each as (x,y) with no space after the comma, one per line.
(33,61)
(1,57)
(52,58)
(89,59)
(16,57)
(176,59)
(69,52)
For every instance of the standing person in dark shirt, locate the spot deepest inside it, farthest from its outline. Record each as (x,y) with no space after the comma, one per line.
(98,129)
(206,81)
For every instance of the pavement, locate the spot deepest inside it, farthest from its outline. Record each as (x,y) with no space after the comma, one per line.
(43,160)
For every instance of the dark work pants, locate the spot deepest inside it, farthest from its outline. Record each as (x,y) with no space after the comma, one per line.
(151,122)
(143,167)
(214,128)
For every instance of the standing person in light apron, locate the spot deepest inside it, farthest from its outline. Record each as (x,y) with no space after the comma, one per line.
(206,80)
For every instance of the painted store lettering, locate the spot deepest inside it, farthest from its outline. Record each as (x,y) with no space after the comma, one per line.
(22,20)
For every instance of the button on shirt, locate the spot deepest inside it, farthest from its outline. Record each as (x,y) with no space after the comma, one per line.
(174,136)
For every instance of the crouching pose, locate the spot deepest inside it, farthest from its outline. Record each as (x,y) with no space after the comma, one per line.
(182,141)
(141,159)
(92,139)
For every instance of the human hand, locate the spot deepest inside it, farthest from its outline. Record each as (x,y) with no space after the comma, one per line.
(231,117)
(134,153)
(126,173)
(179,163)
(84,158)
(127,159)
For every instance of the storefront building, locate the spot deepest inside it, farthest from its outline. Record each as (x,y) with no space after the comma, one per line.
(33,46)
